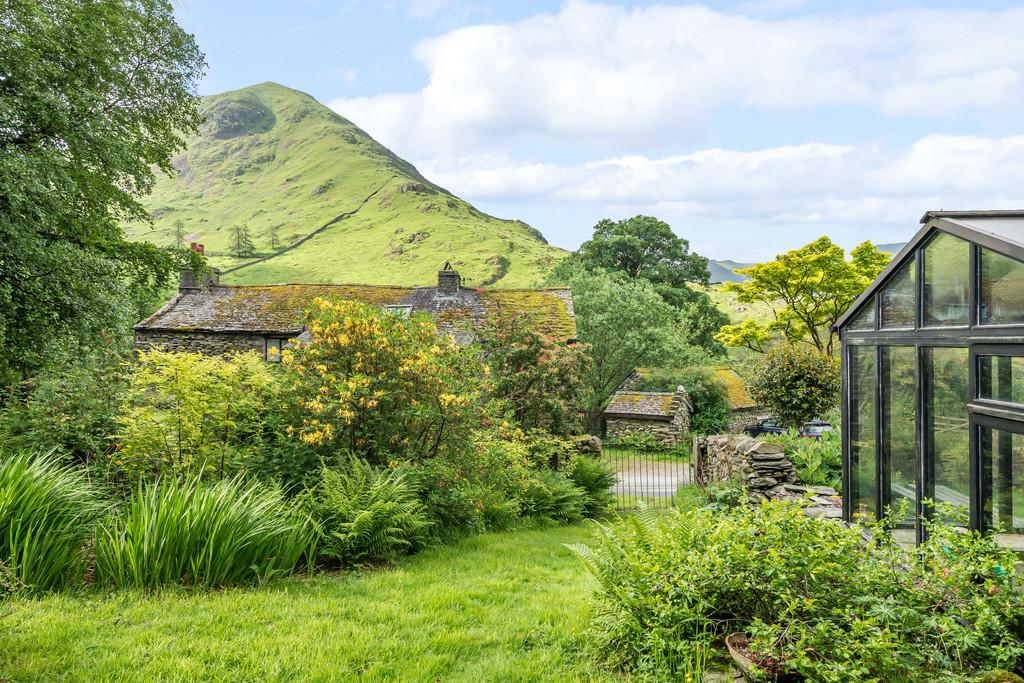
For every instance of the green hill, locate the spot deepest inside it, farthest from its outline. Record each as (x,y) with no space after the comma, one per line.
(325,202)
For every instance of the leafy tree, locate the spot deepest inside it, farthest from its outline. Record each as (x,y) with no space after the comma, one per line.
(808,289)
(625,324)
(179,233)
(382,385)
(242,244)
(189,412)
(645,248)
(796,382)
(94,96)
(541,379)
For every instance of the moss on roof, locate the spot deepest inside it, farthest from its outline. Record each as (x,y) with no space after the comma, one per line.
(279,308)
(641,403)
(552,307)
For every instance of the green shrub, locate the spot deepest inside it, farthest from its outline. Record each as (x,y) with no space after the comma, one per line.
(365,515)
(818,462)
(817,600)
(69,407)
(798,383)
(596,480)
(195,533)
(46,515)
(551,496)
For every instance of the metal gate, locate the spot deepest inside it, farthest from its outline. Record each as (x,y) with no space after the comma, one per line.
(650,476)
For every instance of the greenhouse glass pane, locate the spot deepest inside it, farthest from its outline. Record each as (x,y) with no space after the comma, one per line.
(948,426)
(899,393)
(946,281)
(863,451)
(1002,462)
(865,318)
(898,298)
(1002,289)
(1001,378)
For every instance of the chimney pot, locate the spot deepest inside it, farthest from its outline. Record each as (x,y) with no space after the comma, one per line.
(448,281)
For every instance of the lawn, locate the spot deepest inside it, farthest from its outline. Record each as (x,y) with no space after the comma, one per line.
(496,607)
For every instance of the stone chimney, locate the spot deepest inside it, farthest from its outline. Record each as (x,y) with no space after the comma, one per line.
(196,282)
(448,281)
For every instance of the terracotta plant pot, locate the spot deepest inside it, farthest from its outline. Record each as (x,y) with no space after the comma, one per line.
(737,644)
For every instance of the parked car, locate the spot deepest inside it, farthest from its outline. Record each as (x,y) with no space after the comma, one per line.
(773,425)
(764,426)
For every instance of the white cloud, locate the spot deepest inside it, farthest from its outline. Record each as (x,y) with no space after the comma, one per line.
(850,192)
(597,75)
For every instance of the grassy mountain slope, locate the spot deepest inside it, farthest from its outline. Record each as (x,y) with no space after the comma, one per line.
(344,208)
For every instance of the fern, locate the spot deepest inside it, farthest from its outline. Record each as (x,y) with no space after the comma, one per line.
(365,514)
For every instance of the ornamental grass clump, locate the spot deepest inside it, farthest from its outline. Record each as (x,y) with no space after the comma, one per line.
(816,600)
(46,515)
(184,531)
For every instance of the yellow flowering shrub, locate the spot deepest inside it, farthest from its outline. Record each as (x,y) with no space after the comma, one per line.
(380,384)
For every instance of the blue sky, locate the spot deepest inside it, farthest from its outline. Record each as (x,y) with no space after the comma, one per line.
(751,126)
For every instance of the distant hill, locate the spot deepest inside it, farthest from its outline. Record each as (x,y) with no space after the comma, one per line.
(722,271)
(325,202)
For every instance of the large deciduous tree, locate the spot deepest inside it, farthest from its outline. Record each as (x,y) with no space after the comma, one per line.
(645,248)
(808,290)
(95,96)
(626,324)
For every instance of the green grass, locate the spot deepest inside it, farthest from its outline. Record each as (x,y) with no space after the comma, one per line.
(275,159)
(738,312)
(497,607)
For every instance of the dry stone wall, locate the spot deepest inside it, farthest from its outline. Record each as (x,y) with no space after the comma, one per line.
(760,466)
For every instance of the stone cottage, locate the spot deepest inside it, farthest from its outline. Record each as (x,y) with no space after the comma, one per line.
(665,415)
(212,318)
(745,411)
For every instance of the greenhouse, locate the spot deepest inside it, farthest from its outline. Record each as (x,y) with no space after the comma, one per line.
(933,380)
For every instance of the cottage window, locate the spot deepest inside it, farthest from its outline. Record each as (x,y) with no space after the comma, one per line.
(273,348)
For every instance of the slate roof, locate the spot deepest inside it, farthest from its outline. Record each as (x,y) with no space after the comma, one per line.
(278,309)
(1000,231)
(648,405)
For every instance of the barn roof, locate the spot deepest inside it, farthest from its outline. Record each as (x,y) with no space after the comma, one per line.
(278,309)
(649,405)
(1000,231)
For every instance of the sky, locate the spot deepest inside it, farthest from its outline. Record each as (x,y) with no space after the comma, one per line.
(751,127)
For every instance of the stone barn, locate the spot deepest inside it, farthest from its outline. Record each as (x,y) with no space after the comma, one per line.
(664,415)
(745,411)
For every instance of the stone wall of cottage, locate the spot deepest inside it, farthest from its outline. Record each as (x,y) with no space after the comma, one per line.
(210,343)
(760,466)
